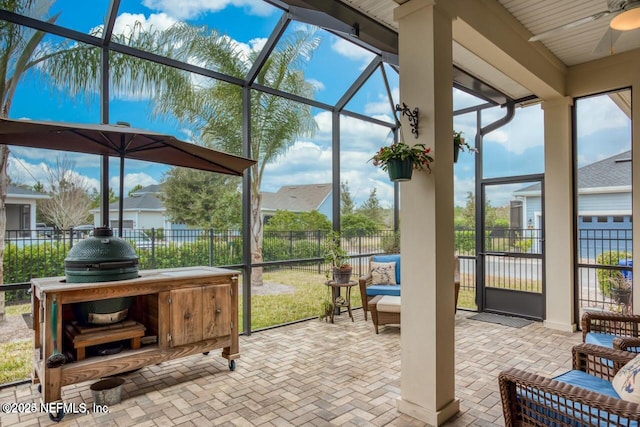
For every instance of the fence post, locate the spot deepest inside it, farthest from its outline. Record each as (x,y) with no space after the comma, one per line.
(71,237)
(211,257)
(319,238)
(153,247)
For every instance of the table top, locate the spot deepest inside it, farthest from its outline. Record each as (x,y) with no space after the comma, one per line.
(340,285)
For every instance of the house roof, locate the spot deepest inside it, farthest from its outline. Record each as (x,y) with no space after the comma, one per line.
(145,199)
(149,189)
(24,193)
(296,198)
(614,171)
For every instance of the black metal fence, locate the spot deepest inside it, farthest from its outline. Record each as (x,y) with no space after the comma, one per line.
(38,253)
(604,259)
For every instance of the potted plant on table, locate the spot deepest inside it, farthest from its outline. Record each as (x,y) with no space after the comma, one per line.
(461,144)
(337,258)
(400,159)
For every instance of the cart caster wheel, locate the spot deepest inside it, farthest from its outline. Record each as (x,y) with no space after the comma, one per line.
(232,365)
(57,417)
(40,388)
(206,353)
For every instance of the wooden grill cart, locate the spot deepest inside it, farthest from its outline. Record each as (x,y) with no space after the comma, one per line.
(180,312)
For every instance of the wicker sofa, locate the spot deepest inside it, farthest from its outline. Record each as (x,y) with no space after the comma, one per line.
(533,400)
(613,330)
(369,290)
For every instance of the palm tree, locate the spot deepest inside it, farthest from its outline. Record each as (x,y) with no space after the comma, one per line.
(215,108)
(18,54)
(74,67)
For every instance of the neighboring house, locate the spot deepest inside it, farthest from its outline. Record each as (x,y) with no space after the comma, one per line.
(604,201)
(298,198)
(143,210)
(21,211)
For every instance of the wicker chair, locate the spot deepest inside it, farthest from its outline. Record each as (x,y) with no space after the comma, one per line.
(366,281)
(533,400)
(614,330)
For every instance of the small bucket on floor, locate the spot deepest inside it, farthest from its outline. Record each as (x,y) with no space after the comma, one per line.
(107,392)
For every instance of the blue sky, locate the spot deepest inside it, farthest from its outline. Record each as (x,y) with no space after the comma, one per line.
(512,150)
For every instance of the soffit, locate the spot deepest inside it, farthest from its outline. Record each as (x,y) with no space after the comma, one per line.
(571,46)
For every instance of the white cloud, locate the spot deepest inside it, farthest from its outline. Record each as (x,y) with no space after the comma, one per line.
(186,9)
(352,51)
(354,133)
(524,132)
(462,187)
(130,181)
(382,105)
(24,172)
(599,113)
(125,22)
(317,84)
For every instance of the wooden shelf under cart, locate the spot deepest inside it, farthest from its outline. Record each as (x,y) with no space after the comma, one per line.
(190,310)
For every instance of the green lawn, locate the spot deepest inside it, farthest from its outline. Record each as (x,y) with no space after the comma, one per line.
(309,291)
(15,360)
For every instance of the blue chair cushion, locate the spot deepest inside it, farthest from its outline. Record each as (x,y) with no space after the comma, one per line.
(603,340)
(565,411)
(393,290)
(589,382)
(389,258)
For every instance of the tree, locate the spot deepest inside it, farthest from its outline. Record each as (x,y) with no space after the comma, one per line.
(371,208)
(468,213)
(215,109)
(134,189)
(96,197)
(298,221)
(18,54)
(73,68)
(352,224)
(347,205)
(68,202)
(203,199)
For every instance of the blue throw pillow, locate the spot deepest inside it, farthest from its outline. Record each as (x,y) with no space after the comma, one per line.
(390,258)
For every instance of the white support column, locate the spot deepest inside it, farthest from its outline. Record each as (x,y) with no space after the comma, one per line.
(635,189)
(559,215)
(427,390)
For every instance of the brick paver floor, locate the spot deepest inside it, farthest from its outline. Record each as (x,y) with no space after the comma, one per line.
(312,373)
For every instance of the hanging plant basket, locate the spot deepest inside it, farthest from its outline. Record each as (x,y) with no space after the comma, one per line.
(456,152)
(400,170)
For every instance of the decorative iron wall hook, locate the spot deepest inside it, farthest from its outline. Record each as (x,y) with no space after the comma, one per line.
(412,115)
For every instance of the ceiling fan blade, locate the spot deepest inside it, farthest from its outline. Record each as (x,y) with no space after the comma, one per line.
(573,24)
(606,43)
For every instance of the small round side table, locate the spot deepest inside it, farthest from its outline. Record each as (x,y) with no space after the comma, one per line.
(337,300)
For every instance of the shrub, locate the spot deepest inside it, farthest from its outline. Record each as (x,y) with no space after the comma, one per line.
(604,275)
(391,243)
(465,241)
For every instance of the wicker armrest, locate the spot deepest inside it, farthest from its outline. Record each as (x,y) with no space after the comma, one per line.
(599,361)
(530,399)
(610,323)
(365,281)
(631,344)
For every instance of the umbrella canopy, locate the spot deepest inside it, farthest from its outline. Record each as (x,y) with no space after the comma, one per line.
(119,141)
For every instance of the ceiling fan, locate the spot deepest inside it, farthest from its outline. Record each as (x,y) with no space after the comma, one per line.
(626,17)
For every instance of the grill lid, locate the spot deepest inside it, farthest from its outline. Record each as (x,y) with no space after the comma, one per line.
(101,252)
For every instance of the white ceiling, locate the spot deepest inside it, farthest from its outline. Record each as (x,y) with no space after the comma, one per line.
(571,46)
